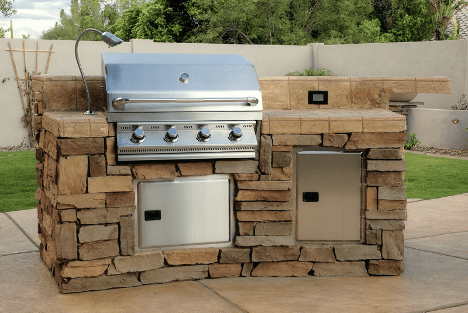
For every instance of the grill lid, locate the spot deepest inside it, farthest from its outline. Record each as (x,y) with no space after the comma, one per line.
(164,83)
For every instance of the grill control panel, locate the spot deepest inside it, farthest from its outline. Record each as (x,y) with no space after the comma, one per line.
(185,140)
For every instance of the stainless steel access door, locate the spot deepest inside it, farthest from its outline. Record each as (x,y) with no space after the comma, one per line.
(184,211)
(328,198)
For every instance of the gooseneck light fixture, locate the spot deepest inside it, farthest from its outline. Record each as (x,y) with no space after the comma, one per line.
(108,38)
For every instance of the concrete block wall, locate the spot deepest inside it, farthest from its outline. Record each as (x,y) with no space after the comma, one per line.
(400,59)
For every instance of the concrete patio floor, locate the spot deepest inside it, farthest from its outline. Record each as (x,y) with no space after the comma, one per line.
(435,278)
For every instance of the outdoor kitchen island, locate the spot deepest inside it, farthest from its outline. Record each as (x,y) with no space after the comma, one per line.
(88,204)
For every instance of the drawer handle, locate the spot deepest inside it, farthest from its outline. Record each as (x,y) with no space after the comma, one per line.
(153,215)
(310,196)
(119,103)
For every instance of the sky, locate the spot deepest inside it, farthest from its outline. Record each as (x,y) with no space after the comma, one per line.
(34,16)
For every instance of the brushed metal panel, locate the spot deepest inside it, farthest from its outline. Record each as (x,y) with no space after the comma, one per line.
(184,116)
(336,177)
(193,211)
(187,145)
(185,156)
(156,75)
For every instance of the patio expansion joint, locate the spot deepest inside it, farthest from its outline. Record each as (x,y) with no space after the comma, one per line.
(222,298)
(22,252)
(416,200)
(22,230)
(444,254)
(455,232)
(442,307)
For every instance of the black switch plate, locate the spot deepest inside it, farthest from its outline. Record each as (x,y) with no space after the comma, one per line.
(318,97)
(152,215)
(310,196)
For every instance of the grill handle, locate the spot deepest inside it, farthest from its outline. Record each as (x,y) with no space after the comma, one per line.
(119,103)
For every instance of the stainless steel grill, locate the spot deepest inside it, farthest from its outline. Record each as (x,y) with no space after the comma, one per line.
(182,106)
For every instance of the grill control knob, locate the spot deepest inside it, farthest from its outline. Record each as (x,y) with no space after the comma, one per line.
(138,135)
(236,134)
(171,135)
(204,134)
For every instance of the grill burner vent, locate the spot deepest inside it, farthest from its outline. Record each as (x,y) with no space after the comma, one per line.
(186,150)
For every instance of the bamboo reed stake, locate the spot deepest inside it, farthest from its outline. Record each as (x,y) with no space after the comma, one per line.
(24,52)
(17,78)
(29,50)
(37,56)
(21,91)
(48,60)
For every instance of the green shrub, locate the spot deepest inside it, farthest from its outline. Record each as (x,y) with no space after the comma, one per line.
(312,72)
(412,141)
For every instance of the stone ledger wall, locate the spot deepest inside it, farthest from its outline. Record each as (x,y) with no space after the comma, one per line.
(62,93)
(86,213)
(86,202)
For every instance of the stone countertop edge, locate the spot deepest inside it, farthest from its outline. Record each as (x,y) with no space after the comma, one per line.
(65,117)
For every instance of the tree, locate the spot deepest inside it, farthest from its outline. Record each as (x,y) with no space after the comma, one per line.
(411,20)
(3,31)
(303,23)
(443,12)
(221,21)
(383,12)
(160,20)
(346,21)
(6,7)
(273,24)
(280,22)
(252,22)
(84,14)
(125,5)
(286,21)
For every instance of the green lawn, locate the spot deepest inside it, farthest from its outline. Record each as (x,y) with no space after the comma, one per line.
(17,180)
(430,177)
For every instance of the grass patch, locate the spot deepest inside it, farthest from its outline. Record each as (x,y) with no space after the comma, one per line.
(430,177)
(18,181)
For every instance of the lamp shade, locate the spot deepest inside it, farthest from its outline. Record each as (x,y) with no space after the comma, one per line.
(110,39)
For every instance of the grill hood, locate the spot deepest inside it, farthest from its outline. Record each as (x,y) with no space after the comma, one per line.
(160,87)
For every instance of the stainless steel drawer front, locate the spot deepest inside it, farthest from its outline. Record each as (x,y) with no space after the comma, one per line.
(328,198)
(183,212)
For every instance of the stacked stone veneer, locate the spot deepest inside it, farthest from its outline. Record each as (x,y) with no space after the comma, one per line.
(86,199)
